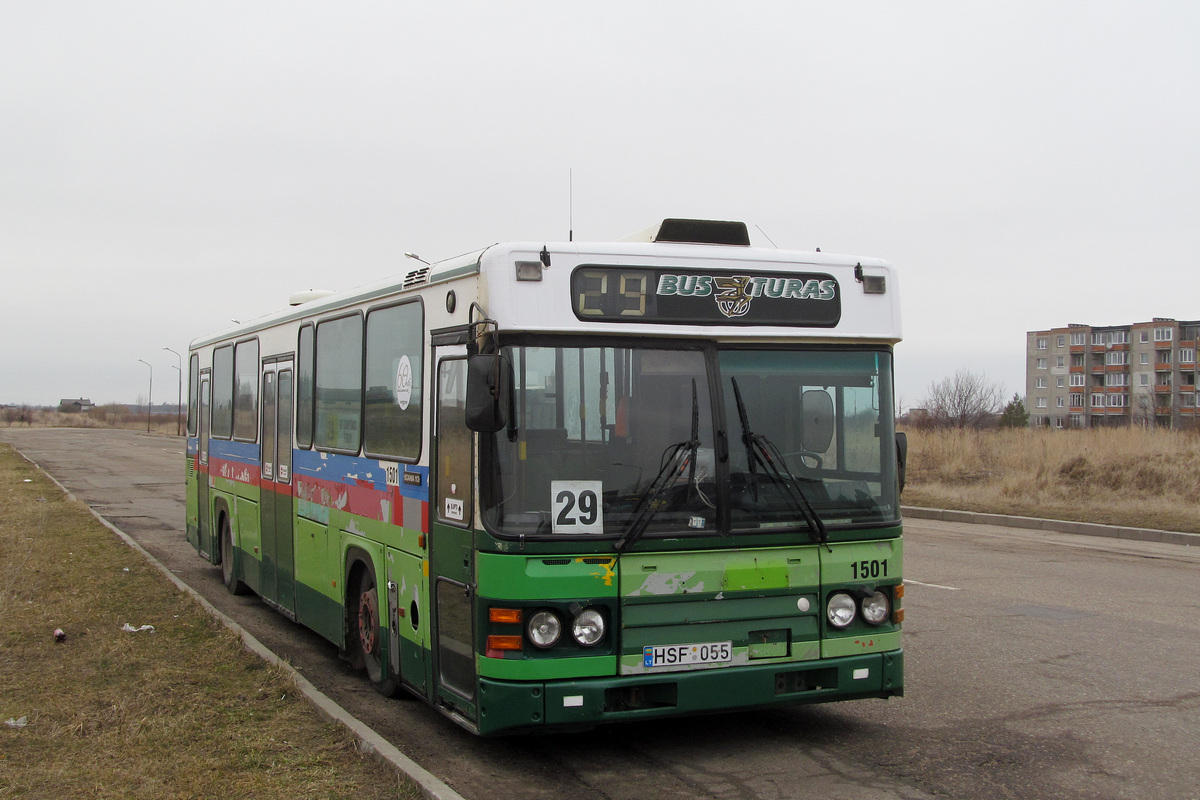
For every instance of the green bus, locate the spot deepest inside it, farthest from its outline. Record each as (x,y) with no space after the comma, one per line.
(549,485)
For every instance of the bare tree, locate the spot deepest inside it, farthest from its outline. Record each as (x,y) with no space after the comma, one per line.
(966,400)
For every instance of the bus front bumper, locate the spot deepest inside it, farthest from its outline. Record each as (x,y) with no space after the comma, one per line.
(525,706)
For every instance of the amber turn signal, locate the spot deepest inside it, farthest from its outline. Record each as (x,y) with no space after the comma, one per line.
(510,616)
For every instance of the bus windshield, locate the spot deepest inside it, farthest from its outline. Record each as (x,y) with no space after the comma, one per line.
(622,441)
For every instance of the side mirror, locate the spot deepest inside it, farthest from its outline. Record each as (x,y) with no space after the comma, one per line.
(816,412)
(488,397)
(901,456)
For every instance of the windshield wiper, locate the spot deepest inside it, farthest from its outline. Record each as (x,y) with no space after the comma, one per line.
(761,450)
(677,458)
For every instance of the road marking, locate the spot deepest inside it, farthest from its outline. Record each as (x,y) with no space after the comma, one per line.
(934,585)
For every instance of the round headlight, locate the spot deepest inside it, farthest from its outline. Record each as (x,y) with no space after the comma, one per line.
(589,627)
(876,608)
(840,610)
(544,628)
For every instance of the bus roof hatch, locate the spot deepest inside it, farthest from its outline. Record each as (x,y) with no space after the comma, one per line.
(695,231)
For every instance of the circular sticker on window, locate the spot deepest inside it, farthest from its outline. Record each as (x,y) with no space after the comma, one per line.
(403,383)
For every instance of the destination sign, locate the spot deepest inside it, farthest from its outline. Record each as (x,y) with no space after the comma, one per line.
(683,296)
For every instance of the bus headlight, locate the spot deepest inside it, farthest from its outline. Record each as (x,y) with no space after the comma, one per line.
(840,610)
(544,628)
(589,627)
(876,608)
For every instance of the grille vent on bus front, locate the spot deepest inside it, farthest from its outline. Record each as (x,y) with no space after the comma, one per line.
(558,562)
(416,277)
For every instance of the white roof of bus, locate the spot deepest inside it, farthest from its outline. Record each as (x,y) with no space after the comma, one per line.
(616,253)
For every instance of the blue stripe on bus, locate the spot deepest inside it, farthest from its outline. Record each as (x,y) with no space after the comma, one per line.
(354,470)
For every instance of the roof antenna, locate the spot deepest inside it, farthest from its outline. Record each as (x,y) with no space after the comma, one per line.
(768,238)
(570,204)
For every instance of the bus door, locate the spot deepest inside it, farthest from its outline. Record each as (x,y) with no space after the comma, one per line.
(451,551)
(277,584)
(206,542)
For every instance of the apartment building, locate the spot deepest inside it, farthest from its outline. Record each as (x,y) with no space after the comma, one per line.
(1082,376)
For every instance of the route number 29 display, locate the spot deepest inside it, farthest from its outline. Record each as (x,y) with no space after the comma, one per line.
(576,506)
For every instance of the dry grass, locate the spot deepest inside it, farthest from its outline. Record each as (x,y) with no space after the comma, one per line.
(183,712)
(1127,476)
(109,416)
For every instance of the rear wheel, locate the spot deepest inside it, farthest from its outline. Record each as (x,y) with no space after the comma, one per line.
(232,583)
(366,631)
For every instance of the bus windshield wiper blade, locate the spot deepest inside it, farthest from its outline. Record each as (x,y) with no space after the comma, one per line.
(679,456)
(774,462)
(761,450)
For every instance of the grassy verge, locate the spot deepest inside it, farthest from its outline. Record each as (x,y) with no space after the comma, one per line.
(180,712)
(1125,476)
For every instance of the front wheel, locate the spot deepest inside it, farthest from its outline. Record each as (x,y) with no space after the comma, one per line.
(366,631)
(232,583)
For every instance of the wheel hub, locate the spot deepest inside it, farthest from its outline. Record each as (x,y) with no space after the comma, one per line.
(368,621)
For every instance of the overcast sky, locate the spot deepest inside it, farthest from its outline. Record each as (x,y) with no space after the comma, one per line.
(165,167)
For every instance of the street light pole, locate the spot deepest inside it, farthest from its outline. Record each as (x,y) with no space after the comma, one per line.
(149,394)
(179,402)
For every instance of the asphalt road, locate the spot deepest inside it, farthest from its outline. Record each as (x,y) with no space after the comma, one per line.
(1039,665)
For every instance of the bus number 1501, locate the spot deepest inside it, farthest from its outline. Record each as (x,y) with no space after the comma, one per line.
(869,569)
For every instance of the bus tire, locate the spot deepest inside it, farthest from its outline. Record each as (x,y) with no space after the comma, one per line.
(366,629)
(232,583)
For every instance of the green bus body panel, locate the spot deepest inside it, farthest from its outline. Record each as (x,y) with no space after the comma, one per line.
(862,643)
(387,534)
(282,550)
(660,574)
(547,668)
(318,598)
(452,552)
(314,561)
(838,567)
(408,619)
(714,608)
(317,611)
(268,572)
(412,593)
(506,707)
(191,503)
(241,499)
(516,577)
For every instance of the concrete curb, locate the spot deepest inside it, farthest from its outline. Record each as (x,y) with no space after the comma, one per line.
(371,741)
(1054,525)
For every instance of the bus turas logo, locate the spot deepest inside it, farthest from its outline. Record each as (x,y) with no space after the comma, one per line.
(733,298)
(733,294)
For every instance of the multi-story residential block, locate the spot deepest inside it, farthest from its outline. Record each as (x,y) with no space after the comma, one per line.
(1082,376)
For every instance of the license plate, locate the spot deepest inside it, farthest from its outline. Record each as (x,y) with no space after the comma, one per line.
(676,655)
